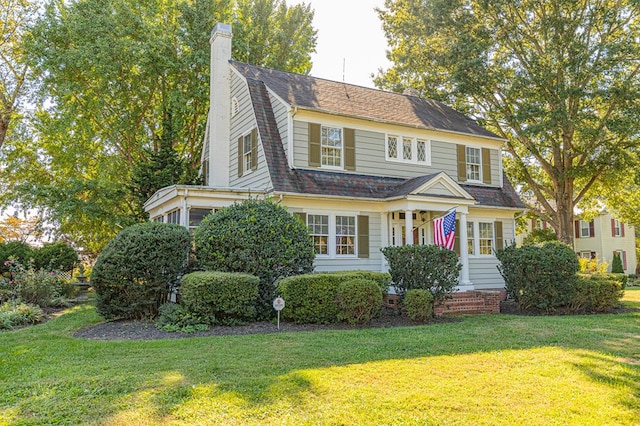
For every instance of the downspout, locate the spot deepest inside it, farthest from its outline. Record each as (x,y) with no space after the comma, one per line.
(292,113)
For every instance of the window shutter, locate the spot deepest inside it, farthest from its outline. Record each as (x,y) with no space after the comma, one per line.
(363,236)
(462,163)
(254,149)
(314,145)
(497,225)
(240,157)
(622,229)
(592,232)
(302,217)
(613,227)
(486,166)
(349,149)
(456,238)
(624,260)
(577,228)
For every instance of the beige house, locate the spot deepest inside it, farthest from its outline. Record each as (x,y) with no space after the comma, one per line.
(363,168)
(599,238)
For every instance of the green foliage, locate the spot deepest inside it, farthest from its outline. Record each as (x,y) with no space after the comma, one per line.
(137,270)
(382,279)
(15,313)
(58,256)
(18,251)
(35,286)
(428,267)
(359,300)
(509,63)
(259,238)
(597,292)
(311,298)
(537,236)
(539,278)
(220,297)
(592,265)
(418,305)
(616,264)
(174,317)
(118,77)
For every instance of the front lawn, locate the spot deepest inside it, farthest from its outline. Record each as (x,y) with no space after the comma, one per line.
(492,369)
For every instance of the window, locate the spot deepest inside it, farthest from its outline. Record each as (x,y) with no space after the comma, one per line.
(158,219)
(235,106)
(247,152)
(585,231)
(470,238)
(196,215)
(318,226)
(617,228)
(485,238)
(407,149)
(331,146)
(474,160)
(586,254)
(173,217)
(345,235)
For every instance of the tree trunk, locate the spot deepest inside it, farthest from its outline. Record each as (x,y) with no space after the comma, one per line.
(564,203)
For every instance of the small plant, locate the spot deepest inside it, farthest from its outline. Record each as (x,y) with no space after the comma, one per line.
(593,265)
(175,318)
(15,314)
(359,300)
(428,267)
(616,264)
(597,292)
(40,287)
(418,305)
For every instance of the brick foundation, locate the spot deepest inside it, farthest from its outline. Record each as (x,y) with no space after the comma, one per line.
(467,302)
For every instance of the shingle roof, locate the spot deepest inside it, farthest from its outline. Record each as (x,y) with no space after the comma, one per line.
(362,102)
(329,183)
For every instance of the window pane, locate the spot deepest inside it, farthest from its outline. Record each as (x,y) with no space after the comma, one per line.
(331,146)
(473,163)
(422,151)
(392,147)
(486,238)
(345,235)
(318,226)
(470,238)
(406,149)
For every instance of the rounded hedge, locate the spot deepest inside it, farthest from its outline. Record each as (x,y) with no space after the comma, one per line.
(56,256)
(259,238)
(418,305)
(138,269)
(359,300)
(222,297)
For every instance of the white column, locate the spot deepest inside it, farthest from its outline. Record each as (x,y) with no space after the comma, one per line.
(408,226)
(384,239)
(465,283)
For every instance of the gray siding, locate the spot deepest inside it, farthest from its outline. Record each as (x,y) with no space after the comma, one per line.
(281,113)
(241,124)
(370,156)
(373,263)
(483,273)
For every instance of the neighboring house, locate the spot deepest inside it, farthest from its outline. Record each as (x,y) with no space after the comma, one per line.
(599,238)
(363,168)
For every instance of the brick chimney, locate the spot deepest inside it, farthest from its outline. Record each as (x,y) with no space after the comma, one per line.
(219,106)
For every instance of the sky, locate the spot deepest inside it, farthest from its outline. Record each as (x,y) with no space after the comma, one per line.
(348,30)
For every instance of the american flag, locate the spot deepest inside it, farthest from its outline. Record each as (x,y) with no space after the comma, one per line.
(444,230)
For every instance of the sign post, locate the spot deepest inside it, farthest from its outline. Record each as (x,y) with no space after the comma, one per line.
(278,305)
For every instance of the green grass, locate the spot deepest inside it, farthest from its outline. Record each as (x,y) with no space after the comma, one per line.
(492,369)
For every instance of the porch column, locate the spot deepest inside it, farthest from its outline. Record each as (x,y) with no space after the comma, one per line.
(408,226)
(385,235)
(465,283)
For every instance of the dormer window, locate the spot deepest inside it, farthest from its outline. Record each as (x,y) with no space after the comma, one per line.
(474,163)
(331,143)
(407,149)
(247,153)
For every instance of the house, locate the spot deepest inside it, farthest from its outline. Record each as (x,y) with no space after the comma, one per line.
(363,168)
(600,238)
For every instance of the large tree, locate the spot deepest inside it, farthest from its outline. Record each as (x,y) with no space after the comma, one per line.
(557,79)
(112,72)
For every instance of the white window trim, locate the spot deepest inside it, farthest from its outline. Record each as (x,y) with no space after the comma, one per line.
(245,171)
(582,228)
(235,107)
(466,156)
(476,238)
(585,252)
(327,166)
(617,227)
(327,255)
(331,242)
(399,158)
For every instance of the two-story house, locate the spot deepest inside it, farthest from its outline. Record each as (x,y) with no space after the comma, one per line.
(363,168)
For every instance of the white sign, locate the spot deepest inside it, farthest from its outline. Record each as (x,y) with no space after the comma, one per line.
(278,304)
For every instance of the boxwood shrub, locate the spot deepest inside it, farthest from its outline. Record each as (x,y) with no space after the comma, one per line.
(138,269)
(539,277)
(259,238)
(359,300)
(222,297)
(382,279)
(418,304)
(597,292)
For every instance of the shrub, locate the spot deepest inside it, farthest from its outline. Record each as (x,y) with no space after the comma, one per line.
(14,314)
(40,287)
(174,317)
(428,267)
(221,297)
(359,300)
(382,279)
(592,265)
(58,256)
(597,292)
(259,238)
(310,298)
(537,236)
(539,277)
(418,304)
(138,269)
(16,250)
(616,264)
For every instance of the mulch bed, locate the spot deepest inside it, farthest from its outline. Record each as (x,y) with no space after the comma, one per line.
(146,330)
